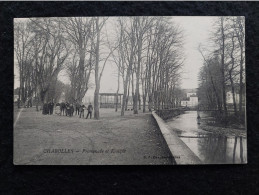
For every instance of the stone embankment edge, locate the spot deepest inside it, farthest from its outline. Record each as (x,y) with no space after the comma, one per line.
(179,150)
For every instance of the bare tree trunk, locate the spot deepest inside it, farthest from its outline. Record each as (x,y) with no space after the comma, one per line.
(223,67)
(241,81)
(144,103)
(97,81)
(127,96)
(150,102)
(233,94)
(116,106)
(124,97)
(234,151)
(230,75)
(37,103)
(123,102)
(241,150)
(139,101)
(138,76)
(135,103)
(96,103)
(125,92)
(241,84)
(133,94)
(19,97)
(241,36)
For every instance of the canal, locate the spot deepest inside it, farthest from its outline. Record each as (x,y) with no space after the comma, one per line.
(210,147)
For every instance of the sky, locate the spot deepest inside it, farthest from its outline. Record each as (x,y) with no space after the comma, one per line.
(196,30)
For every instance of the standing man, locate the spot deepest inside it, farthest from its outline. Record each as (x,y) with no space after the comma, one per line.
(67,109)
(81,111)
(51,107)
(77,108)
(45,109)
(71,109)
(90,110)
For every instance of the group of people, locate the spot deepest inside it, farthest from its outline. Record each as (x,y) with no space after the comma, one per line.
(81,111)
(68,109)
(48,108)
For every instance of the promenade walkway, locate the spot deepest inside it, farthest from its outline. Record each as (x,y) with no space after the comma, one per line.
(112,140)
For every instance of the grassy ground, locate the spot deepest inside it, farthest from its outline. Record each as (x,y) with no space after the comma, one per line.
(112,140)
(224,131)
(219,129)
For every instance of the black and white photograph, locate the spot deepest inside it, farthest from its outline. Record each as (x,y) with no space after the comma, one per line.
(129,90)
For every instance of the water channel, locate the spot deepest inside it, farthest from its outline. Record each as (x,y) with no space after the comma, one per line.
(211,148)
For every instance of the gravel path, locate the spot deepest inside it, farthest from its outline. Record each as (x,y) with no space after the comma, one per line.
(112,140)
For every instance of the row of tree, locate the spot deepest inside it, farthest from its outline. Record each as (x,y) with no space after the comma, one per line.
(224,67)
(45,46)
(40,51)
(148,54)
(146,50)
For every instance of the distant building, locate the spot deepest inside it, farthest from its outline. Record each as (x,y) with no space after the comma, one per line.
(230,97)
(190,101)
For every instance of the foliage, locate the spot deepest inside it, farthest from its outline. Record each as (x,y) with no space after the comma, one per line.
(223,69)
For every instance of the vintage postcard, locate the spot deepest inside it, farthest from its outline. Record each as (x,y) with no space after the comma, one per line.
(129,90)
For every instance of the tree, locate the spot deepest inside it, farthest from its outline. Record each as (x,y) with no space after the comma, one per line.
(220,41)
(223,66)
(50,52)
(239,26)
(210,79)
(80,34)
(98,74)
(23,48)
(126,52)
(149,58)
(141,25)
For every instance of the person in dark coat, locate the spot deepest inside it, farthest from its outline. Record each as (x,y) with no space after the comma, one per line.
(45,109)
(90,110)
(77,105)
(71,110)
(82,111)
(51,107)
(63,108)
(67,109)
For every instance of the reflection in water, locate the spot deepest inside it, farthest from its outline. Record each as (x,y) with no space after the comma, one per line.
(210,148)
(241,150)
(219,149)
(234,152)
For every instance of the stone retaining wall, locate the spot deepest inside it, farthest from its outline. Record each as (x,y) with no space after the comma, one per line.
(179,150)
